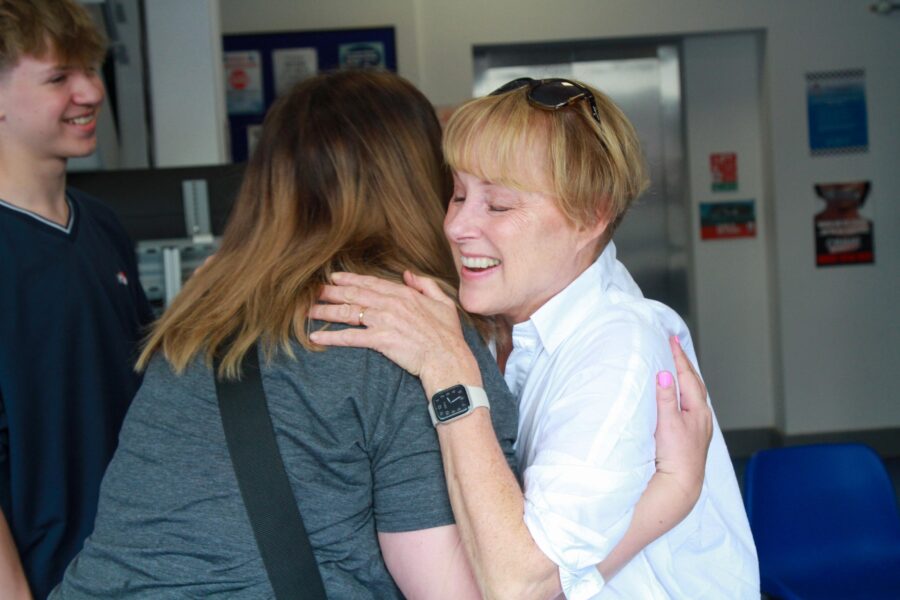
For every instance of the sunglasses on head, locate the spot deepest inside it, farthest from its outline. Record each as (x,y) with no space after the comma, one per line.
(551,94)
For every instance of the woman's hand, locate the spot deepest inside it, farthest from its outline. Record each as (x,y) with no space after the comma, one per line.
(683,435)
(415,325)
(682,441)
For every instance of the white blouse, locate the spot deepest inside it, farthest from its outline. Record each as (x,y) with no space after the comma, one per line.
(584,369)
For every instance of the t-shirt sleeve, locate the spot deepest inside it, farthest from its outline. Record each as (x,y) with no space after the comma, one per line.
(118,236)
(504,407)
(595,451)
(145,313)
(144,310)
(409,489)
(5,503)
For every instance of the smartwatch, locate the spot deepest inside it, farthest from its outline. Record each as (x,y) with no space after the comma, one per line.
(456,402)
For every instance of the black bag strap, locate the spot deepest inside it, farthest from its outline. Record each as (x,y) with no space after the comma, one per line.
(265,488)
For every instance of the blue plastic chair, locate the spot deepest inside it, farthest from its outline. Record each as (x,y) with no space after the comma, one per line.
(825,521)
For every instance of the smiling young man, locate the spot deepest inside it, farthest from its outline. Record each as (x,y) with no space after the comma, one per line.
(71,305)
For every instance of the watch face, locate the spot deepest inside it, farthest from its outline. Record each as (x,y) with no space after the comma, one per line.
(450,403)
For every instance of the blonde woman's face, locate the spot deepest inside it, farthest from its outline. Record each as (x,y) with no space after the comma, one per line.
(514,250)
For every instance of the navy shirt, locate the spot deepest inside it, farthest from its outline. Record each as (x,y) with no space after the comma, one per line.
(71,317)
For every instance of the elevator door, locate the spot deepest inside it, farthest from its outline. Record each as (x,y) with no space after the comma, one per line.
(644,81)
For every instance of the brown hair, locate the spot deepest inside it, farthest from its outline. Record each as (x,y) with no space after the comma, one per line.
(38,27)
(594,170)
(348,175)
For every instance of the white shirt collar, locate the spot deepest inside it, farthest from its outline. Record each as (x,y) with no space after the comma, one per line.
(558,318)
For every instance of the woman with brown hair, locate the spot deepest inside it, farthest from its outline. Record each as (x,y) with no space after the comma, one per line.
(348,175)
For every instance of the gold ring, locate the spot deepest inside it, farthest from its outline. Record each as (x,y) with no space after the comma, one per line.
(362,315)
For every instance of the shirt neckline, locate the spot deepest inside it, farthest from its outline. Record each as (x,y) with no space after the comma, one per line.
(66,229)
(558,318)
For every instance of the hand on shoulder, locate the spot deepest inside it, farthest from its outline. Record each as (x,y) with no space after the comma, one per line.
(416,325)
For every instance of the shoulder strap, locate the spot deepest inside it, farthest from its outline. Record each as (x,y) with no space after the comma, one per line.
(265,488)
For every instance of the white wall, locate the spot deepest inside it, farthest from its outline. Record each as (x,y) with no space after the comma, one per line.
(840,333)
(721,81)
(782,343)
(187,98)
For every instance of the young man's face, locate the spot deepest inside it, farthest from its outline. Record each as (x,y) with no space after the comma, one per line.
(49,110)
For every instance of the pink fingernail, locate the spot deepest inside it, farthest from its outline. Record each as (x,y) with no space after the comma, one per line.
(664,379)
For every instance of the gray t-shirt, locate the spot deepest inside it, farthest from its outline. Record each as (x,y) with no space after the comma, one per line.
(357,443)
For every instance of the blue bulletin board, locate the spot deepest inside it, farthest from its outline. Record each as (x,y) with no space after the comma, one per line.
(258,66)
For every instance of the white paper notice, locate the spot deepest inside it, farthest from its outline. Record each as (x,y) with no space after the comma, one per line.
(292,65)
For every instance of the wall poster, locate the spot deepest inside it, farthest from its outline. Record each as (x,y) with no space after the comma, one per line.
(292,65)
(243,83)
(361,55)
(844,236)
(723,168)
(836,112)
(727,220)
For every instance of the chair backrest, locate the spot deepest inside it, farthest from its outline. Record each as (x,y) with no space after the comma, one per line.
(813,507)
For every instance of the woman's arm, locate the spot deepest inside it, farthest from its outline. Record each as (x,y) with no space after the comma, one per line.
(12,578)
(429,564)
(683,435)
(420,331)
(489,508)
(422,334)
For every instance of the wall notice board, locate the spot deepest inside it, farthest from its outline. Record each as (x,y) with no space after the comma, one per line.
(260,66)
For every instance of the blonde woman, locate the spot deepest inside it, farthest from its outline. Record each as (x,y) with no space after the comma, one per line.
(544,171)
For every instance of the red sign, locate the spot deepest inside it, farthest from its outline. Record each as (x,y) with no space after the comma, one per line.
(238,79)
(723,166)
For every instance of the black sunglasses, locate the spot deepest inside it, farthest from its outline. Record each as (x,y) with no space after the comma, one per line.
(551,94)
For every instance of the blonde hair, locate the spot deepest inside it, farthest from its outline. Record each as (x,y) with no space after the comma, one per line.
(348,176)
(39,27)
(594,170)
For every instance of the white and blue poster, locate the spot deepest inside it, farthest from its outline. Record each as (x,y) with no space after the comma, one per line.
(243,83)
(361,55)
(836,109)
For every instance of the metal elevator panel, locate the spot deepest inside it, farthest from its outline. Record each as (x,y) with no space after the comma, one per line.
(644,80)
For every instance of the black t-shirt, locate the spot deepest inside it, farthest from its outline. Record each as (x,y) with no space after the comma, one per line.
(71,313)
